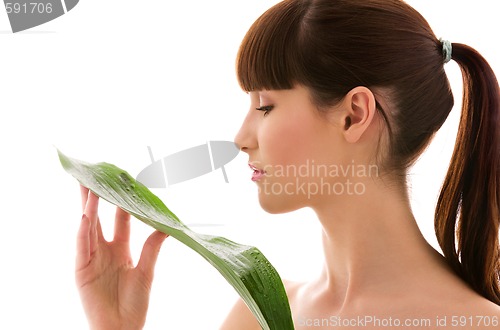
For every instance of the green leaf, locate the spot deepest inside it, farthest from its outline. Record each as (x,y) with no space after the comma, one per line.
(244,267)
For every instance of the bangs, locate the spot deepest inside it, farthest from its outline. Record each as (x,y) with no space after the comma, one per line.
(267,58)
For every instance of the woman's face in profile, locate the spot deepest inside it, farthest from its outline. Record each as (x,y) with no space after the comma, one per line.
(290,147)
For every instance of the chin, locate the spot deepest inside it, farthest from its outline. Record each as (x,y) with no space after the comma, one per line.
(278,204)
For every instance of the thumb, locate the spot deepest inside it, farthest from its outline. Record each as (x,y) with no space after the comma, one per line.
(150,252)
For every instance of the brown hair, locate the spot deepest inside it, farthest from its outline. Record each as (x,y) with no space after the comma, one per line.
(332,46)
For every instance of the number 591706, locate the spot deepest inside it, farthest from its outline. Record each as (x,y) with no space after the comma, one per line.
(28,8)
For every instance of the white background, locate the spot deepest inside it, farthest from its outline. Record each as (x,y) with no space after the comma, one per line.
(112,77)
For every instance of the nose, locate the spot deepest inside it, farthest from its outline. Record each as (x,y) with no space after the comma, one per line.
(246,138)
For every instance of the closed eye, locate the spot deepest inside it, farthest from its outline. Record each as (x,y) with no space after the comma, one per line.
(266,109)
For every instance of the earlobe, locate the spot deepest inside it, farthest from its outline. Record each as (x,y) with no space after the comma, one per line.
(360,110)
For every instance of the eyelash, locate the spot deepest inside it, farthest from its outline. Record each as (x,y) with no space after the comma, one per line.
(266,109)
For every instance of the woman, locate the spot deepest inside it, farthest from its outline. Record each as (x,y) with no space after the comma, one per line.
(360,86)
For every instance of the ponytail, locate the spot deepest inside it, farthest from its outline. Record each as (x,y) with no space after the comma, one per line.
(468,209)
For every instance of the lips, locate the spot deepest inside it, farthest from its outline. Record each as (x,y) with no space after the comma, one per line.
(257,173)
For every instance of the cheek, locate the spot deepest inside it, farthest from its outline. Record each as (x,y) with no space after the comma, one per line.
(288,142)
(285,146)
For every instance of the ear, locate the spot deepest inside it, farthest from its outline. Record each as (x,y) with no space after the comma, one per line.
(360,107)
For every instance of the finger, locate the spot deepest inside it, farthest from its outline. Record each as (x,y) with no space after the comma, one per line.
(122,226)
(100,236)
(84,192)
(92,206)
(83,244)
(91,211)
(150,252)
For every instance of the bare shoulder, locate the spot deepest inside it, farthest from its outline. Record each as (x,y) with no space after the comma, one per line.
(240,317)
(486,306)
(474,313)
(470,302)
(484,316)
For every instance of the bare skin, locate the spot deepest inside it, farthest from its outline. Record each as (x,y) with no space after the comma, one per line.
(114,294)
(377,263)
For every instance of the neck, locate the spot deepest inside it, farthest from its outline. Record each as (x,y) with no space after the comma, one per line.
(372,244)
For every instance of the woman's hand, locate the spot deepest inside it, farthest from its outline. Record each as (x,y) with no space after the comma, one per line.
(114,294)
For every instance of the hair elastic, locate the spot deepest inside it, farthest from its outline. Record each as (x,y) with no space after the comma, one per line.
(446,50)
